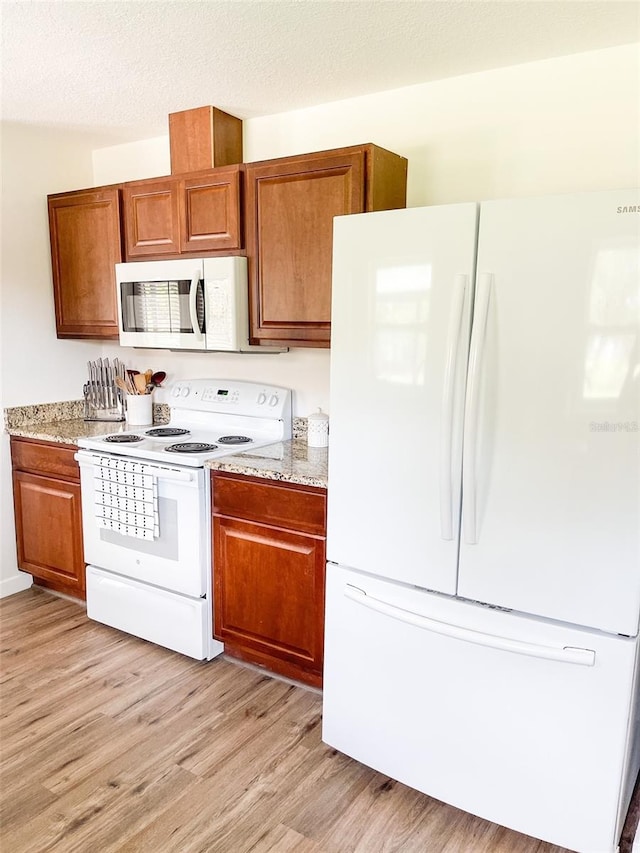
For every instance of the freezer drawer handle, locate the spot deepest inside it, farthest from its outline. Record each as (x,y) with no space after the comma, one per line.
(448,399)
(566,654)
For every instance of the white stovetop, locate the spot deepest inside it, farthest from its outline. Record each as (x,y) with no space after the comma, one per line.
(210,409)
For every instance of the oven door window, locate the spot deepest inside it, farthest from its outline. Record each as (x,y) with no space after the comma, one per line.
(160,306)
(165,546)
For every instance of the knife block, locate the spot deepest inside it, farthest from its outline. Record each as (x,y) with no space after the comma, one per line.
(103,403)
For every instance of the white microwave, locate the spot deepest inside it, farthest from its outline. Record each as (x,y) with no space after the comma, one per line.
(189,303)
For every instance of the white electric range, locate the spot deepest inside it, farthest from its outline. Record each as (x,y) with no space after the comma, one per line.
(147,512)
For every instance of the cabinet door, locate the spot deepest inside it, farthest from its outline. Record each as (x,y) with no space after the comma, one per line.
(152,218)
(269,596)
(290,208)
(210,211)
(49,530)
(86,244)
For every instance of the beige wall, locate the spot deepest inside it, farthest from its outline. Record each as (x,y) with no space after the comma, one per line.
(545,127)
(35,367)
(556,126)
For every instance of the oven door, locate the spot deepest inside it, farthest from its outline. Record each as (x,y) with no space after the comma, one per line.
(177,556)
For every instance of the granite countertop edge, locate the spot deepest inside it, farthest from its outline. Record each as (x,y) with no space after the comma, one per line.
(289,461)
(64,432)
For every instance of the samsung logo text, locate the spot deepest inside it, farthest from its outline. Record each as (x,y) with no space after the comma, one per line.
(632,208)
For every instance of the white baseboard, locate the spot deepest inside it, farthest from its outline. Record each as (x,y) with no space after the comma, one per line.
(17,583)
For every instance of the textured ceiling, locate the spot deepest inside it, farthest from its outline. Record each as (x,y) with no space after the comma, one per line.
(116,69)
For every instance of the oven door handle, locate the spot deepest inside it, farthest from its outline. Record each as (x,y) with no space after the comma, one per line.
(166,474)
(156,471)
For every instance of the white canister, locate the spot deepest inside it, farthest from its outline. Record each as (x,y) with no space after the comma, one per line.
(139,409)
(318,429)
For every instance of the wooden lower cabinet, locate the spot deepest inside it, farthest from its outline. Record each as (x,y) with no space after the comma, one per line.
(48,514)
(268,573)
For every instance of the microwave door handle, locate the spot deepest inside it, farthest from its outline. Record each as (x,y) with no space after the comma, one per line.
(193,313)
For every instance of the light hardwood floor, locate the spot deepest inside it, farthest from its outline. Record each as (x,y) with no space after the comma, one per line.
(113,744)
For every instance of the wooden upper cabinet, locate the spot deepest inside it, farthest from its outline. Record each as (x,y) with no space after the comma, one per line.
(204,138)
(290,207)
(84,228)
(192,214)
(211,211)
(152,224)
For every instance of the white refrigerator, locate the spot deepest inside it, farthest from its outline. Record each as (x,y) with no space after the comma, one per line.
(483,583)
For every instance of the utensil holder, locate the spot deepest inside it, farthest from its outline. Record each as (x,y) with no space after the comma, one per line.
(102,403)
(139,409)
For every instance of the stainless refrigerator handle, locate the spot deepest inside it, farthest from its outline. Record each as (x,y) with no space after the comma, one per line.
(472,410)
(562,654)
(448,401)
(193,312)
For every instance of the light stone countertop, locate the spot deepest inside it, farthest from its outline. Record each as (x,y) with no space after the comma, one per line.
(65,432)
(288,461)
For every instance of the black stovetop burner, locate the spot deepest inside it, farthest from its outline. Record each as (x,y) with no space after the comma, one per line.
(166,432)
(123,439)
(191,447)
(234,439)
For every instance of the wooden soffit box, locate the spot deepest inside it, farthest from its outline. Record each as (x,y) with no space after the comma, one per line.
(204,138)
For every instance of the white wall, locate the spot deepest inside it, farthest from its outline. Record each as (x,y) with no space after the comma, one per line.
(561,125)
(35,367)
(555,126)
(546,127)
(133,161)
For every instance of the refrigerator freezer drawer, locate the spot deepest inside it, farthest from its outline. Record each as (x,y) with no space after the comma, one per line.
(520,721)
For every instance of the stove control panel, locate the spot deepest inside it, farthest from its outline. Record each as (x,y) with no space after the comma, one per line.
(216,394)
(266,399)
(224,395)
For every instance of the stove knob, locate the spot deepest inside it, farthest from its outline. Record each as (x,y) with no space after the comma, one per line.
(176,391)
(262,398)
(273,400)
(184,392)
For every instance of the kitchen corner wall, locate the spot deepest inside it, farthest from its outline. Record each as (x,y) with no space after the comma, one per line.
(35,367)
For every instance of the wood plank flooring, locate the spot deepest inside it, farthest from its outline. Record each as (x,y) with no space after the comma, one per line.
(109,743)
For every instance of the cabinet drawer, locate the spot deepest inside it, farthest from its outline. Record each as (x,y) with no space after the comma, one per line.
(301,508)
(45,458)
